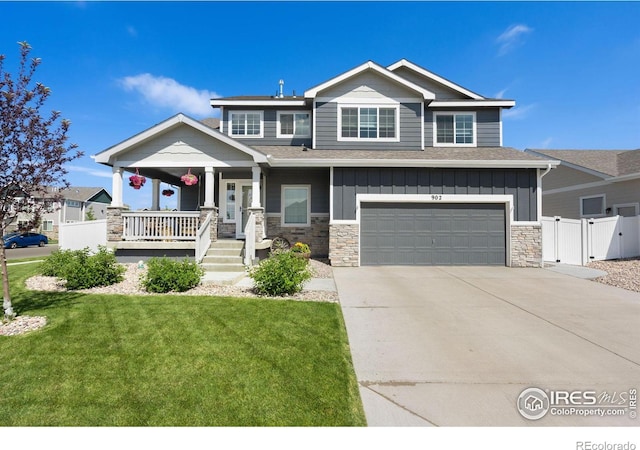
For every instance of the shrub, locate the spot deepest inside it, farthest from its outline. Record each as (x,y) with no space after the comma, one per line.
(83,270)
(300,247)
(283,273)
(167,275)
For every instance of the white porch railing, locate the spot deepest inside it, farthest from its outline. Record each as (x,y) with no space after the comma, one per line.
(203,239)
(250,241)
(160,225)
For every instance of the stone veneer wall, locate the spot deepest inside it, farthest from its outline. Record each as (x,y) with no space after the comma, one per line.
(526,246)
(114,223)
(317,235)
(227,230)
(344,246)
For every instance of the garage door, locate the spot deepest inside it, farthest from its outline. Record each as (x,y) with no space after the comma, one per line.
(432,234)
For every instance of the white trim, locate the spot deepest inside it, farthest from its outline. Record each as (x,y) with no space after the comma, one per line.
(278,128)
(330,194)
(282,205)
(192,164)
(432,76)
(636,205)
(369,65)
(500,125)
(275,102)
(344,222)
(245,135)
(382,99)
(454,114)
(222,120)
(604,205)
(472,104)
(395,106)
(327,162)
(313,119)
(422,126)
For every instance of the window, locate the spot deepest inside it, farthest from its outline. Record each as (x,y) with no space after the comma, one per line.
(294,124)
(230,213)
(592,206)
(73,203)
(296,203)
(455,129)
(246,124)
(368,123)
(47,225)
(626,209)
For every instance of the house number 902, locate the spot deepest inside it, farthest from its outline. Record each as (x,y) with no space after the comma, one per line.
(436,197)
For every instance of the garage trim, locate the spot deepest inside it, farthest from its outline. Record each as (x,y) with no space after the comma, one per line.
(440,198)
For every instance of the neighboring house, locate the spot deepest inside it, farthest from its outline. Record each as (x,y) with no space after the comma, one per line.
(75,204)
(379,165)
(591,183)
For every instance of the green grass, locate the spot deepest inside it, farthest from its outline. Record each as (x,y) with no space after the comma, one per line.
(108,360)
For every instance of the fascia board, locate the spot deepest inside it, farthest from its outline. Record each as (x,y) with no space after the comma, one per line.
(473,104)
(424,72)
(313,92)
(511,164)
(275,102)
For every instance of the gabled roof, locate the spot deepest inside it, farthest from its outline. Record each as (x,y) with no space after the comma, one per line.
(107,156)
(432,76)
(369,65)
(603,163)
(77,193)
(258,100)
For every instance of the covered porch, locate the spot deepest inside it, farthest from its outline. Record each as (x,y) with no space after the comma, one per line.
(218,183)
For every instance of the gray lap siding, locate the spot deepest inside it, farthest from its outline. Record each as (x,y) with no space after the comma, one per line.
(521,183)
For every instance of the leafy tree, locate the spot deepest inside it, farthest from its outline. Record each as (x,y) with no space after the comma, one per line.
(90,214)
(33,150)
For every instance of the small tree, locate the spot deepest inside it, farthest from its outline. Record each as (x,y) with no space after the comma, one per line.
(33,151)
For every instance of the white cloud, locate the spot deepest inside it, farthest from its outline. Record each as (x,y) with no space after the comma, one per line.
(168,93)
(89,170)
(501,93)
(519,112)
(512,37)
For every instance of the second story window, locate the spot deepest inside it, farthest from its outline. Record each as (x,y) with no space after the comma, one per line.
(455,129)
(368,123)
(246,124)
(294,124)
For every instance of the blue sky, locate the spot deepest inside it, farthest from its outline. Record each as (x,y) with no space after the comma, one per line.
(117,68)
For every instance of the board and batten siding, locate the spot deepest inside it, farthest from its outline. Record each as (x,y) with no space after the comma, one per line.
(317,178)
(487,127)
(270,126)
(520,183)
(327,130)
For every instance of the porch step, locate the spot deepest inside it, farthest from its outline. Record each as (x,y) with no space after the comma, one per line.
(223,262)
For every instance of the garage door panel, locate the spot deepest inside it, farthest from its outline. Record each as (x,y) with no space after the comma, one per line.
(432,234)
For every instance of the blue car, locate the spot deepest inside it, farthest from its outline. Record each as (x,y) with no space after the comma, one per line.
(14,240)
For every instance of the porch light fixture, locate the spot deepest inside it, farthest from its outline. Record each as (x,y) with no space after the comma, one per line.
(189,179)
(137,181)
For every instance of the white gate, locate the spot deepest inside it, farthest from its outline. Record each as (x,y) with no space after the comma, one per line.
(577,242)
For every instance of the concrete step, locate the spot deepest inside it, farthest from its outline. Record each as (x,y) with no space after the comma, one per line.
(227,244)
(208,267)
(212,258)
(224,252)
(223,278)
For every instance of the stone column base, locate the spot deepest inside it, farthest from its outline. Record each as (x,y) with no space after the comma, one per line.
(204,212)
(344,245)
(526,246)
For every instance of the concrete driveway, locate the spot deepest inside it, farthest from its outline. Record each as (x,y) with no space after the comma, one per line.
(452,346)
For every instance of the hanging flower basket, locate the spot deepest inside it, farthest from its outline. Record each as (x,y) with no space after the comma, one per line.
(167,192)
(189,179)
(137,181)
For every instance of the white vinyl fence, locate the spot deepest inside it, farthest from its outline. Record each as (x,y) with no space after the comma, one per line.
(578,242)
(78,235)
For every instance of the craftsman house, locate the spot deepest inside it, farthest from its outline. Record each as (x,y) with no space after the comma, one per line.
(378,165)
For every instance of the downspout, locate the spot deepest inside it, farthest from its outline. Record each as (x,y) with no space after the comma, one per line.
(539,196)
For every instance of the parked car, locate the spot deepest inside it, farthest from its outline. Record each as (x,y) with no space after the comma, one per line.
(14,240)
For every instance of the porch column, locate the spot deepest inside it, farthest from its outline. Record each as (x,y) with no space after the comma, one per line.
(155,195)
(209,187)
(116,187)
(255,187)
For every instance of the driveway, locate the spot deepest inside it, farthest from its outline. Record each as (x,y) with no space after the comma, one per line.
(451,346)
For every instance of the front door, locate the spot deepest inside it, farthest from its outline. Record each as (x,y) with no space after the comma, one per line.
(242,212)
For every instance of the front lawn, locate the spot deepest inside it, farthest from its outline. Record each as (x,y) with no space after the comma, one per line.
(108,360)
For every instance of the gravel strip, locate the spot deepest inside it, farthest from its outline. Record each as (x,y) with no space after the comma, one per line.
(622,273)
(21,325)
(131,286)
